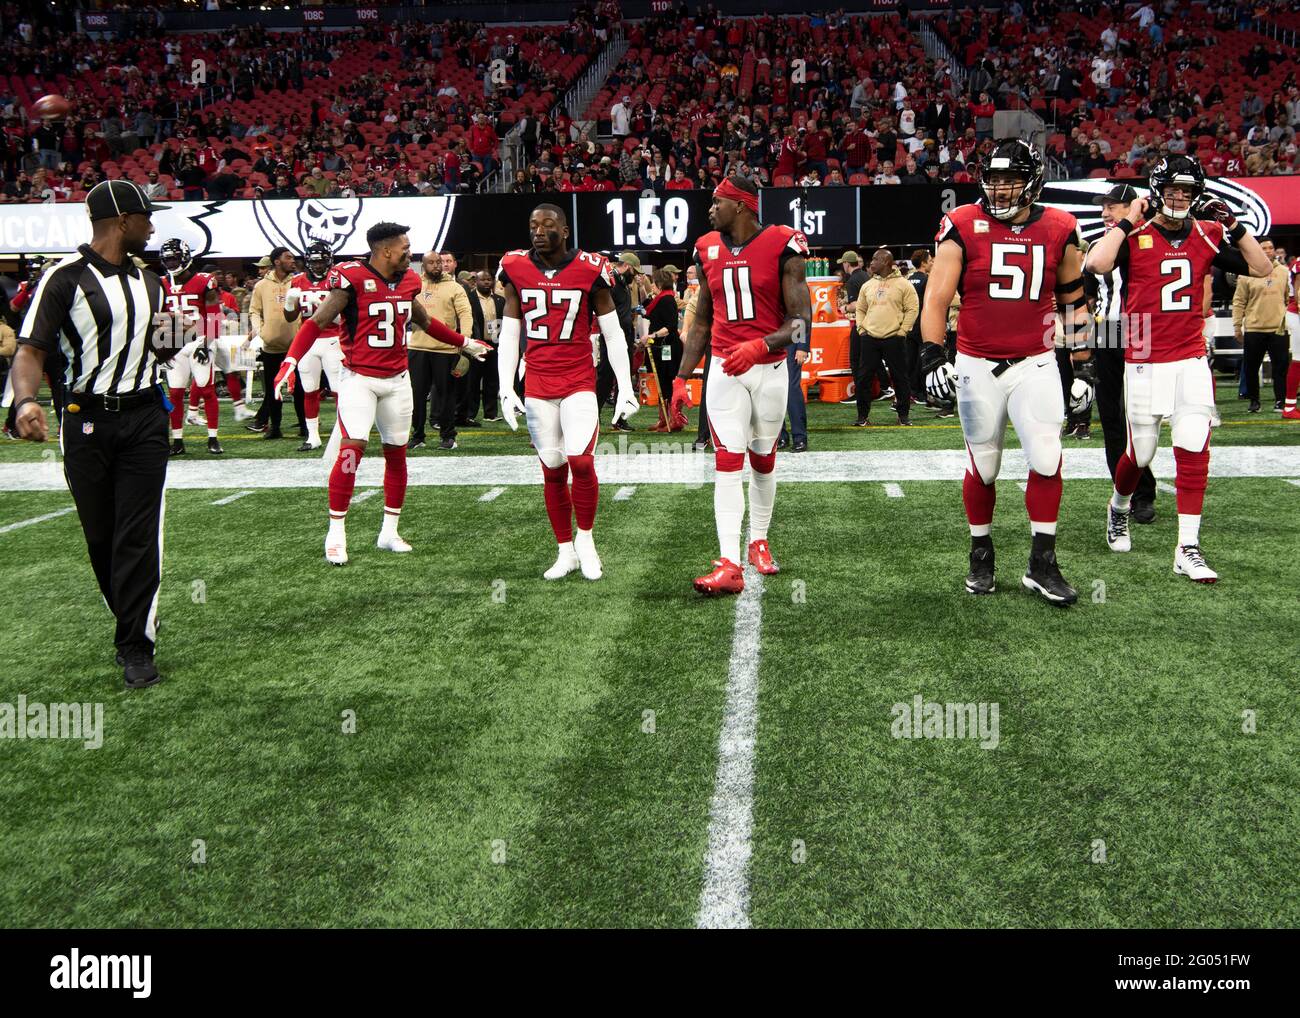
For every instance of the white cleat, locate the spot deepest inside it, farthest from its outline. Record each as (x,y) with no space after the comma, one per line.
(196,418)
(1189,562)
(392,542)
(242,413)
(565,563)
(584,545)
(1117,533)
(336,549)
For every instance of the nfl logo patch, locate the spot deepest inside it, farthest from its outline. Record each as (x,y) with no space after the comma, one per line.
(713,251)
(88,427)
(981,226)
(370,286)
(1145,242)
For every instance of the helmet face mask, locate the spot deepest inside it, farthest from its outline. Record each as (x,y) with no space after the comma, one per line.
(175,255)
(1184,179)
(1011,162)
(319,258)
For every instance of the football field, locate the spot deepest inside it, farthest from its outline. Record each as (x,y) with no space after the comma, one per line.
(445,739)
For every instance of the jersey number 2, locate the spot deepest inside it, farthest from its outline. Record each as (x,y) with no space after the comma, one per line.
(1181,271)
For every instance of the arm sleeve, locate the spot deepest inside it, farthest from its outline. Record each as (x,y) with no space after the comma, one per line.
(507,354)
(1231,260)
(49,310)
(616,349)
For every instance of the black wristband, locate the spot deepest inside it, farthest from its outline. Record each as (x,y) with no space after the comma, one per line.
(1236,233)
(1126,225)
(23,402)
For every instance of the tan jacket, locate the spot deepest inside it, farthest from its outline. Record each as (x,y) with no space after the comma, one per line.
(887,306)
(446,301)
(8,340)
(266,309)
(1259,305)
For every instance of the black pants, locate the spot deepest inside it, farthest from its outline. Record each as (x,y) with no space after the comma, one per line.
(483,386)
(269,410)
(433,393)
(874,350)
(116,464)
(1114,421)
(912,345)
(1275,344)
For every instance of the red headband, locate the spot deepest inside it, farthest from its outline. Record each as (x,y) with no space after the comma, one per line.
(729,190)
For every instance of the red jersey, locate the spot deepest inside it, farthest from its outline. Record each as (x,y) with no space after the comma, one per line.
(1164,289)
(745,285)
(25,290)
(196,299)
(1293,270)
(372,337)
(1008,280)
(311,295)
(558,308)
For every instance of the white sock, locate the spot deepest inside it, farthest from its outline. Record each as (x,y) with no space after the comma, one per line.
(212,432)
(1120,503)
(1189,529)
(237,403)
(338,525)
(980,529)
(762,496)
(313,430)
(729,510)
(565,548)
(1042,528)
(389,527)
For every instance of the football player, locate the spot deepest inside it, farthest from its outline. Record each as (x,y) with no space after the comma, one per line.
(1016,264)
(1289,410)
(1166,373)
(225,362)
(753,303)
(376,299)
(307,292)
(552,295)
(195,298)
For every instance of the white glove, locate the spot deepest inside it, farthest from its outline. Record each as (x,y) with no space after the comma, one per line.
(476,349)
(626,404)
(941,383)
(511,405)
(255,344)
(291,299)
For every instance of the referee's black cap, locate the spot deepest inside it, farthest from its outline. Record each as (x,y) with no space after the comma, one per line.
(1120,194)
(111,198)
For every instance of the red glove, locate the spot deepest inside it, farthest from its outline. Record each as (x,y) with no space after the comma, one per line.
(681,396)
(745,356)
(285,376)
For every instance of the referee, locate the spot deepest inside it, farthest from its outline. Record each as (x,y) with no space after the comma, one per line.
(100,310)
(1110,340)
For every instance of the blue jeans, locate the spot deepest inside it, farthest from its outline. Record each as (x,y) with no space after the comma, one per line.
(795,407)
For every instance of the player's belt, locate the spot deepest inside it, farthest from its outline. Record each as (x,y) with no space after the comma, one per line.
(1001,366)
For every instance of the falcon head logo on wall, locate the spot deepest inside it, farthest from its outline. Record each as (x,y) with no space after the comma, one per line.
(1076,197)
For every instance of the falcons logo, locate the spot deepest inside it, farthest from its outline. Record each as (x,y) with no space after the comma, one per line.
(1076,196)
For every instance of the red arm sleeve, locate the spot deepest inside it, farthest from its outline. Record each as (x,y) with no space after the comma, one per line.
(303,339)
(440,332)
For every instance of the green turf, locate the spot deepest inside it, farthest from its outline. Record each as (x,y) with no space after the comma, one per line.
(519,721)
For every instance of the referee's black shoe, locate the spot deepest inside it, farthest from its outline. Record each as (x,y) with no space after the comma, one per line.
(272,435)
(980,578)
(255,428)
(1143,511)
(1044,577)
(214,447)
(178,447)
(139,671)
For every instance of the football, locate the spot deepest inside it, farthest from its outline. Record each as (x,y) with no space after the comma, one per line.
(51,107)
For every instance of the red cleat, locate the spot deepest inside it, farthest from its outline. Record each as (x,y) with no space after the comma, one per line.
(726,578)
(1291,415)
(760,557)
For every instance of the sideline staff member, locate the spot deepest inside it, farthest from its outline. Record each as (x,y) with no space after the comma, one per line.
(99,309)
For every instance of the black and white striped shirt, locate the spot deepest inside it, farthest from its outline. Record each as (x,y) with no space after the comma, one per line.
(101,316)
(1110,295)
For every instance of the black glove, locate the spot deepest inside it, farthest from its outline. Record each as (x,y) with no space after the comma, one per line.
(1087,370)
(202,355)
(1209,206)
(932,355)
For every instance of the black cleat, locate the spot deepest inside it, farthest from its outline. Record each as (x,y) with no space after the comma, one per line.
(178,447)
(1044,578)
(1254,407)
(800,446)
(139,671)
(415,443)
(214,447)
(272,435)
(783,442)
(980,578)
(904,422)
(1143,512)
(469,422)
(861,422)
(447,444)
(255,428)
(621,425)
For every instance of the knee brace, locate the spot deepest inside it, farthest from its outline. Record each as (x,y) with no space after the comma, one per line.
(553,458)
(726,462)
(1044,453)
(762,463)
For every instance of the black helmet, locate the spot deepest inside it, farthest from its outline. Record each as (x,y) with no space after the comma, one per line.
(175,255)
(318,257)
(1185,171)
(1011,155)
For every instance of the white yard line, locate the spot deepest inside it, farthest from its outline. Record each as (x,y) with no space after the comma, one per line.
(1166,487)
(36,519)
(624,493)
(894,490)
(232,498)
(491,495)
(361,496)
(634,466)
(1296,481)
(1022,485)
(724,899)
